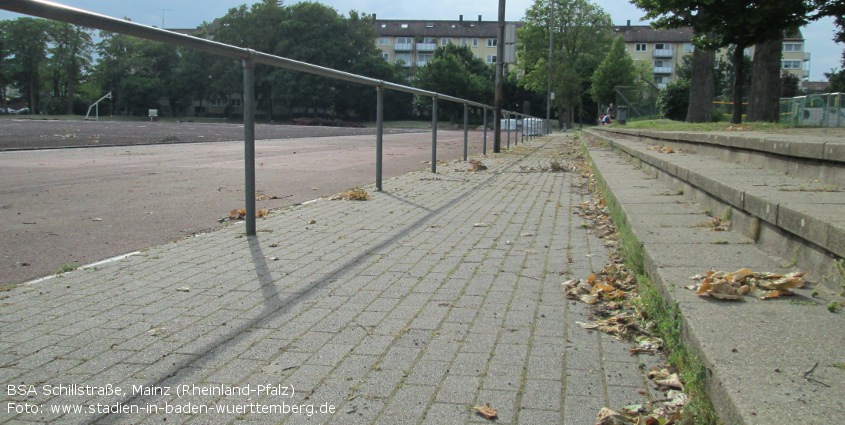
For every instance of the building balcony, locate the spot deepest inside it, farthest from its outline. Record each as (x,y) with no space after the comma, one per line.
(403,47)
(663,70)
(426,47)
(664,53)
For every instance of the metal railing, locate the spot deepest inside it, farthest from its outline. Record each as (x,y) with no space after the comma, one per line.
(249,57)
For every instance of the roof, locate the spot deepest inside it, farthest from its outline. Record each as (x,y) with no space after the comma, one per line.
(646,34)
(460,28)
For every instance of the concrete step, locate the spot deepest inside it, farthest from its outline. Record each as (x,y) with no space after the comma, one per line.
(791,206)
(767,362)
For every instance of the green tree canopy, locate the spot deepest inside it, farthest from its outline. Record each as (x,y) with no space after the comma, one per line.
(456,71)
(582,33)
(70,60)
(617,69)
(306,31)
(136,71)
(26,47)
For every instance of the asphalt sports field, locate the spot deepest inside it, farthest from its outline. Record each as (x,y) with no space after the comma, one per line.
(77,192)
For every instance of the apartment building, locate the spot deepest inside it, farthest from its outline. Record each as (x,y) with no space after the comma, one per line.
(665,50)
(413,42)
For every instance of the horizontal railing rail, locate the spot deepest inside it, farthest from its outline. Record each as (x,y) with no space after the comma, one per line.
(250,57)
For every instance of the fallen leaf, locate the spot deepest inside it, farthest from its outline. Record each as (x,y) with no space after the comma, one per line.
(611,417)
(733,286)
(184,289)
(97,219)
(480,225)
(672,381)
(156,331)
(486,410)
(476,165)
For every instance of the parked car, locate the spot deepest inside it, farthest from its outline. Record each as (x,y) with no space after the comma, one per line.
(22,111)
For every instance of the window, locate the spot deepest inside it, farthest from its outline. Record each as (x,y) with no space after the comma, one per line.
(445,41)
(237,103)
(491,42)
(640,47)
(384,25)
(404,25)
(660,64)
(491,58)
(429,24)
(793,47)
(474,42)
(386,56)
(688,48)
(659,46)
(217,102)
(430,40)
(463,42)
(791,65)
(404,40)
(423,59)
(383,41)
(404,58)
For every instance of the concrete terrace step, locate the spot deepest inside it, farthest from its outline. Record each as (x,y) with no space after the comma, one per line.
(757,353)
(792,206)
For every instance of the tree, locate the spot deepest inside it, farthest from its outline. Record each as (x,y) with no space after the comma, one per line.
(5,77)
(308,32)
(456,71)
(723,23)
(71,49)
(582,33)
(136,71)
(764,98)
(702,87)
(617,69)
(788,85)
(836,78)
(673,101)
(26,40)
(836,9)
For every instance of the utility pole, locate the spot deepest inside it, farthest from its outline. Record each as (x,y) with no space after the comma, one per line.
(500,86)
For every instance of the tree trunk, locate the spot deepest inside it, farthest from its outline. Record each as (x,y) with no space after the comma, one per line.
(33,92)
(739,77)
(700,107)
(764,99)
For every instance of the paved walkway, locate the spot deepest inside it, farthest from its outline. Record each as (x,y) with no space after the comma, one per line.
(439,294)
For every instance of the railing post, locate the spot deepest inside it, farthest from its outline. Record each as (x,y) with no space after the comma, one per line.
(466,129)
(434,134)
(521,131)
(249,144)
(508,120)
(484,149)
(379,133)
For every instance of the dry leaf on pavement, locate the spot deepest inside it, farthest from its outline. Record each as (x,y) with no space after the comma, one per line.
(486,410)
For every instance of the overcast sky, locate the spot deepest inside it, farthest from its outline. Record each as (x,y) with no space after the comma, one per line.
(190,13)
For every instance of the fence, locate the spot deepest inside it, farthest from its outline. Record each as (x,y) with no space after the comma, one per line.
(250,58)
(815,110)
(641,101)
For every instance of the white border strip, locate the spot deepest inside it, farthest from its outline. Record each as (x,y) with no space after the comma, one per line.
(87,266)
